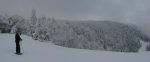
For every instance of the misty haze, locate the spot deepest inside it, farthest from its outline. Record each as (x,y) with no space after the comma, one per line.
(74,30)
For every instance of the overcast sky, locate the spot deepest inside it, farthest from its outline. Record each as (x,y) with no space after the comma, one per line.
(131,11)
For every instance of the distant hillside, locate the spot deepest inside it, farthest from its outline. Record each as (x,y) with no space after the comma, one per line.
(102,35)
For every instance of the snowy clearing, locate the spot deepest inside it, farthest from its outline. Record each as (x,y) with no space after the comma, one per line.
(143,48)
(35,51)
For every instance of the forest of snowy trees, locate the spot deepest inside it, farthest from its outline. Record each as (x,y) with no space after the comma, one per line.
(94,35)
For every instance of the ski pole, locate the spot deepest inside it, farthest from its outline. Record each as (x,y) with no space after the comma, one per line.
(22,47)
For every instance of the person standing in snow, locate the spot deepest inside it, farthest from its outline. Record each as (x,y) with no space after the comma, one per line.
(17,40)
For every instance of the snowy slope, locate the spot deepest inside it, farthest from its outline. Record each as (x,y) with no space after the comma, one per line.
(35,51)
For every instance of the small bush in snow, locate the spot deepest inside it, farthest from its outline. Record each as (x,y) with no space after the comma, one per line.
(148,48)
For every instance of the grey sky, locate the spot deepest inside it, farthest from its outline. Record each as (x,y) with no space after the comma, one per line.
(131,11)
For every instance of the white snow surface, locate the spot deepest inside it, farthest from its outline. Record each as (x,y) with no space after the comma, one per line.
(35,51)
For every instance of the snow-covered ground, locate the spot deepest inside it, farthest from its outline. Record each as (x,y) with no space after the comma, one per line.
(35,51)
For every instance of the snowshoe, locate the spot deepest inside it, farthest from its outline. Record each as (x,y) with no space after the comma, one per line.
(19,53)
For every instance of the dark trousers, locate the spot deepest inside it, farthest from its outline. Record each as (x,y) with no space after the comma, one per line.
(17,47)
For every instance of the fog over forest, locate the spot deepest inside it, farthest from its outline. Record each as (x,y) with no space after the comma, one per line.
(129,11)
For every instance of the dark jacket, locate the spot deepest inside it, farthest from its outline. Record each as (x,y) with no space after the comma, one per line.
(17,38)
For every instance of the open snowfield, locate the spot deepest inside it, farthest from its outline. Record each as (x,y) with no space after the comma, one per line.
(35,51)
